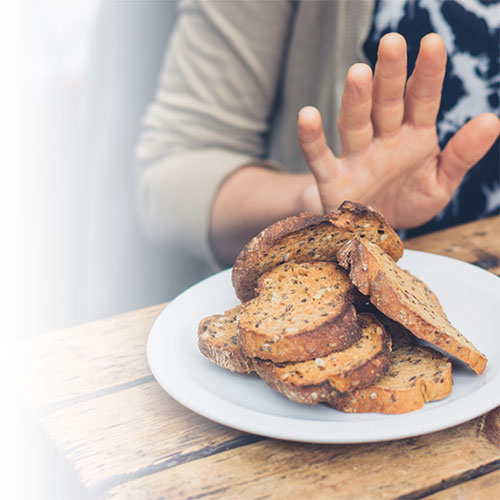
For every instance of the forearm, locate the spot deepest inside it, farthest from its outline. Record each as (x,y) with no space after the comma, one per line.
(251,199)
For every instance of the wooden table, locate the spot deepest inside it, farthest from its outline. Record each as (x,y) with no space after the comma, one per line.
(91,389)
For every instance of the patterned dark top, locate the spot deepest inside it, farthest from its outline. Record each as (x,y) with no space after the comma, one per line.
(471,31)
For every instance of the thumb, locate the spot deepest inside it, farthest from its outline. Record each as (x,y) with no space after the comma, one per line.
(315,150)
(467,147)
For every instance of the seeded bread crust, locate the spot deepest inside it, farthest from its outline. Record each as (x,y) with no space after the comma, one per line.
(416,376)
(218,341)
(315,381)
(400,336)
(405,299)
(309,237)
(302,311)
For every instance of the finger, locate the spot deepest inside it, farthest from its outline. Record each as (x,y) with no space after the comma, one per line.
(311,199)
(467,147)
(313,144)
(355,126)
(389,85)
(423,91)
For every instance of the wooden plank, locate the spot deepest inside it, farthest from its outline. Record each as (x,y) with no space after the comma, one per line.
(81,361)
(94,393)
(477,242)
(85,360)
(133,431)
(280,469)
(482,488)
(142,432)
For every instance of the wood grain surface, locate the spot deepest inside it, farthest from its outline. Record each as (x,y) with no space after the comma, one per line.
(91,389)
(477,242)
(485,487)
(88,360)
(298,471)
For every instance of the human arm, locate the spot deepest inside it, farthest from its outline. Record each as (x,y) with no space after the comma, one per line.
(211,114)
(253,198)
(390,154)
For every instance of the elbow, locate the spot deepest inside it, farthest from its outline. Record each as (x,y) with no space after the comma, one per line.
(152,209)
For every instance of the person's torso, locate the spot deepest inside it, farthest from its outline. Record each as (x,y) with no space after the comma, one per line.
(471,32)
(328,37)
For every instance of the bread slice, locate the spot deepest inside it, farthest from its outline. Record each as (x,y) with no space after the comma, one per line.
(405,299)
(416,376)
(321,379)
(307,237)
(218,341)
(302,311)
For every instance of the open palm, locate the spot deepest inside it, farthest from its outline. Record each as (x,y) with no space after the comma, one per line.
(390,156)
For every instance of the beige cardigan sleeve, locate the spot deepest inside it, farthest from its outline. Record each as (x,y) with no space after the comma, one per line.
(211,113)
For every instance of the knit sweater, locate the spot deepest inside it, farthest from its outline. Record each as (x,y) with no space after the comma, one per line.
(234,78)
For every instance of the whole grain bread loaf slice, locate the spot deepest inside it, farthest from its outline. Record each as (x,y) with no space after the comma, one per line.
(416,375)
(218,341)
(302,311)
(323,378)
(308,237)
(405,299)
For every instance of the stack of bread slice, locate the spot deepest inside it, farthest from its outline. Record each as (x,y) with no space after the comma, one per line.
(327,316)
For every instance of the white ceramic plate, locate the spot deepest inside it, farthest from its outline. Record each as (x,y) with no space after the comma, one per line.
(469,295)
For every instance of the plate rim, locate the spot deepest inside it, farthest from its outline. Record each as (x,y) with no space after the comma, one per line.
(277,425)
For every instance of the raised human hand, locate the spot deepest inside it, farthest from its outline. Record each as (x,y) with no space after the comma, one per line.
(390,155)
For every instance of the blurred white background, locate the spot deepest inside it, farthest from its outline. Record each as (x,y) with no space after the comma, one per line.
(75,80)
(45,47)
(45,51)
